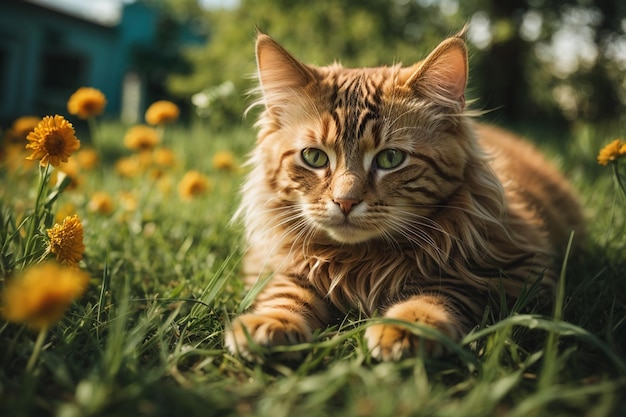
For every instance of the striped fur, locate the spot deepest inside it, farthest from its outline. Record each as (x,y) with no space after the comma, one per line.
(471,210)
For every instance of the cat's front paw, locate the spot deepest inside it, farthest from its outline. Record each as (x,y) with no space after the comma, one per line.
(390,342)
(276,328)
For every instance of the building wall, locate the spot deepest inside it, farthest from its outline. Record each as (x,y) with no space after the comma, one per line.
(45,55)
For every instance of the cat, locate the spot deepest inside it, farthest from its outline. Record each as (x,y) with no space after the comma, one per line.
(374,190)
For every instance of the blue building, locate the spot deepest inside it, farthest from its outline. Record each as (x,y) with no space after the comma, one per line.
(47,53)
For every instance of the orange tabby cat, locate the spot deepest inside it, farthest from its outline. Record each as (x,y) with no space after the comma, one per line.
(373,190)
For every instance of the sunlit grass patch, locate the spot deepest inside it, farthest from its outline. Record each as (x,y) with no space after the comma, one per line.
(147,336)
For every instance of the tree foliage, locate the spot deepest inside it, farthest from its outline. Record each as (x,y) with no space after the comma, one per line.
(531,60)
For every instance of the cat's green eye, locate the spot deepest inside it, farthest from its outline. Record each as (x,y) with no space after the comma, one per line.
(315,158)
(389,158)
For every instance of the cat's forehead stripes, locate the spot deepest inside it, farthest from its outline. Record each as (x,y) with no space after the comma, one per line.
(355,104)
(361,152)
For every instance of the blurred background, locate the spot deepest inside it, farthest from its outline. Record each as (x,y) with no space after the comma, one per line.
(533,62)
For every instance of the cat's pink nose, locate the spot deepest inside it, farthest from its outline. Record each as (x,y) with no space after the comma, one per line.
(346,204)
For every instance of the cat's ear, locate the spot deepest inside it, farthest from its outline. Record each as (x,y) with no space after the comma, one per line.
(281,76)
(442,76)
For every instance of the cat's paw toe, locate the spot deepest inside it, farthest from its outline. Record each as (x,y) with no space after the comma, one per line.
(392,343)
(281,328)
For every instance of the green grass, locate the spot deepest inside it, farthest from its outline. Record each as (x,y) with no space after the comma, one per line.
(147,338)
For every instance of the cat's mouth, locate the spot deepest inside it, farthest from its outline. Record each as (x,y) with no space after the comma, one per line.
(345,229)
(347,232)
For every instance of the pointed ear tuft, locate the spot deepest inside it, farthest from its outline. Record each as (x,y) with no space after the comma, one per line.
(280,74)
(443,74)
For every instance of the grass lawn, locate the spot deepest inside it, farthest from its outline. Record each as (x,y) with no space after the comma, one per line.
(146,339)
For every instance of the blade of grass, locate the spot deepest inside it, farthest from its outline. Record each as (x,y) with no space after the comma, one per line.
(550,369)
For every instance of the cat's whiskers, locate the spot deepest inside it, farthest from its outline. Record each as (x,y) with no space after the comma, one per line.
(480,215)
(304,236)
(444,206)
(415,235)
(284,215)
(388,237)
(424,221)
(300,230)
(298,225)
(278,218)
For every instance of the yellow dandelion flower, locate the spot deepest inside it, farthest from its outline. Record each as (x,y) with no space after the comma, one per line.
(162,112)
(87,158)
(66,241)
(612,152)
(14,157)
(156,173)
(20,129)
(52,141)
(164,157)
(128,201)
(128,167)
(193,184)
(41,294)
(86,102)
(141,138)
(224,161)
(100,202)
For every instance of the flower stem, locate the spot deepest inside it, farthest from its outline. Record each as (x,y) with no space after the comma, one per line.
(620,181)
(161,132)
(41,337)
(36,216)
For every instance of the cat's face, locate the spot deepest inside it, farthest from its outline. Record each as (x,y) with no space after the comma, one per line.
(362,154)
